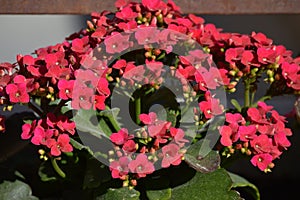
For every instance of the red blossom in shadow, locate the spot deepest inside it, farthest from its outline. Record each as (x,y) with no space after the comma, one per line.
(27,130)
(62,144)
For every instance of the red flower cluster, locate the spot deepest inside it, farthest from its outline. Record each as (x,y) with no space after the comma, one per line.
(262,133)
(51,132)
(82,71)
(137,154)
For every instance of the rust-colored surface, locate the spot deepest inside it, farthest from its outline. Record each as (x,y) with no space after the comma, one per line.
(187,6)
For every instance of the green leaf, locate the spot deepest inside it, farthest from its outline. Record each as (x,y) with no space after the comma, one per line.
(79,146)
(66,108)
(159,194)
(215,185)
(120,194)
(16,190)
(83,120)
(195,159)
(236,104)
(239,181)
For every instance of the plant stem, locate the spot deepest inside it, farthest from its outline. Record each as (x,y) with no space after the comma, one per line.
(247,93)
(138,109)
(57,168)
(113,122)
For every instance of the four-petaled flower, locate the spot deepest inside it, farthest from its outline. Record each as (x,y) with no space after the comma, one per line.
(141,166)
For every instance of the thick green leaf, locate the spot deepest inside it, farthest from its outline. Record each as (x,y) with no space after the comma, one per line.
(120,194)
(159,194)
(202,163)
(15,191)
(83,120)
(239,181)
(207,186)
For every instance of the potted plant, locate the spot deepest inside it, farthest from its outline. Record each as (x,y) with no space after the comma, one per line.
(134,106)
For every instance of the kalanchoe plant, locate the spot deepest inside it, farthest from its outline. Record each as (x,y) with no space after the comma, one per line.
(145,54)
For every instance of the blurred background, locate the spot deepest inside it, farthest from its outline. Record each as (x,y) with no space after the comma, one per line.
(22,34)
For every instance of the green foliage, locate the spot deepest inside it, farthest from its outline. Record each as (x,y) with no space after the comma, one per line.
(215,185)
(239,182)
(120,194)
(16,190)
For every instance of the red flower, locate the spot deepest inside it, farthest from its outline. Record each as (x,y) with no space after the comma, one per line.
(281,140)
(141,166)
(66,125)
(134,73)
(146,35)
(171,155)
(99,102)
(129,146)
(65,89)
(17,93)
(156,128)
(262,161)
(261,144)
(61,145)
(116,43)
(211,107)
(266,55)
(247,133)
(120,137)
(255,115)
(154,4)
(102,87)
(148,118)
(83,98)
(81,45)
(119,168)
(261,39)
(227,136)
(41,136)
(27,130)
(99,32)
(126,14)
(178,135)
